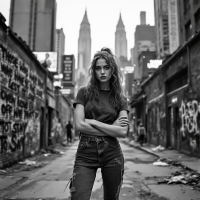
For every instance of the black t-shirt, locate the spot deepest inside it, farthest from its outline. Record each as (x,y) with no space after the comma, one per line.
(103,112)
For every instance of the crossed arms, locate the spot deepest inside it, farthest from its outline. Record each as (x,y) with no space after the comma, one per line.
(93,127)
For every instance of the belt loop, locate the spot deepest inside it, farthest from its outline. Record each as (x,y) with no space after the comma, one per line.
(103,138)
(80,135)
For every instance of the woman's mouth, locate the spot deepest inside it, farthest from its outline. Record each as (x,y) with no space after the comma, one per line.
(102,77)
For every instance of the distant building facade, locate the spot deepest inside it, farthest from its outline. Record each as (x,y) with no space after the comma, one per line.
(144,41)
(35,22)
(60,47)
(189,18)
(167,27)
(120,39)
(84,52)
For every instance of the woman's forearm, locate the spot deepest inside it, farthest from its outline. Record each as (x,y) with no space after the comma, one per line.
(111,130)
(88,129)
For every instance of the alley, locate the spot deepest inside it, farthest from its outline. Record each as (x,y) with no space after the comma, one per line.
(140,179)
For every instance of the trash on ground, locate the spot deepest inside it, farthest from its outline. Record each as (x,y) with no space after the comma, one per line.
(30,163)
(27,162)
(62,152)
(47,154)
(172,162)
(132,142)
(158,148)
(2,172)
(183,177)
(160,163)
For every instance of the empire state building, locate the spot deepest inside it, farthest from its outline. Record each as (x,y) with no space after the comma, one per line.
(120,40)
(84,52)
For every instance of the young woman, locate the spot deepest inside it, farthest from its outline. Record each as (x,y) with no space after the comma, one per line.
(101,116)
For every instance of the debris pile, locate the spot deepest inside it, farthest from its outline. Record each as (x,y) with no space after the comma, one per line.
(2,172)
(160,163)
(158,148)
(53,150)
(183,177)
(31,163)
(172,162)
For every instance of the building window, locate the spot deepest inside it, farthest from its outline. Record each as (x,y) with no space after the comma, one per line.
(178,81)
(197,19)
(188,30)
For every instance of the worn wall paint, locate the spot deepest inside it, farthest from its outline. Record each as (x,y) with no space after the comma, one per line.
(156,122)
(21,94)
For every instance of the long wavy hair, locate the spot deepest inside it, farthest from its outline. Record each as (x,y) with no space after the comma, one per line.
(116,97)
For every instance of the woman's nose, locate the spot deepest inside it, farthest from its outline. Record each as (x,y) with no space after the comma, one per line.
(102,71)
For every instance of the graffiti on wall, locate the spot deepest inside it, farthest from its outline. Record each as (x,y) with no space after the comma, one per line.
(190,122)
(20,90)
(156,120)
(56,130)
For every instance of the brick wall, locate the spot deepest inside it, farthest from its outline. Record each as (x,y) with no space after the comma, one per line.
(21,98)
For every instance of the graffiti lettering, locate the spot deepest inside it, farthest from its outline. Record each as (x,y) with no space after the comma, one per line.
(13,143)
(189,113)
(13,86)
(18,113)
(8,97)
(26,83)
(22,103)
(19,78)
(7,70)
(6,109)
(24,93)
(40,84)
(19,127)
(6,126)
(19,117)
(28,114)
(23,68)
(32,88)
(31,97)
(33,78)
(39,93)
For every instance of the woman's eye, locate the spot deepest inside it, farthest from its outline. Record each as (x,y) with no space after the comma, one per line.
(107,67)
(97,68)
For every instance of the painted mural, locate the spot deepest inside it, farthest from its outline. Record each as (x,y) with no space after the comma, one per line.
(20,91)
(190,124)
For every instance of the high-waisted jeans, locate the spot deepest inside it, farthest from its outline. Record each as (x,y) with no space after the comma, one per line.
(97,152)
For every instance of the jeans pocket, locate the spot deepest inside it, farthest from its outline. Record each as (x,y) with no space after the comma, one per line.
(81,145)
(113,144)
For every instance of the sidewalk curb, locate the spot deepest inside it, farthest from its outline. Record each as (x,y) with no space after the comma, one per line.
(140,148)
(154,154)
(145,150)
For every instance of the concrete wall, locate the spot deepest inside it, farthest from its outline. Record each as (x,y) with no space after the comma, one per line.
(173,113)
(155,110)
(22,91)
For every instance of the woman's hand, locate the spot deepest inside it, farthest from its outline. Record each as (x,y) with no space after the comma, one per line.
(121,121)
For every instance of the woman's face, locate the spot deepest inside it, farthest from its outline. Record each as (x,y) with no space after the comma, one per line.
(103,71)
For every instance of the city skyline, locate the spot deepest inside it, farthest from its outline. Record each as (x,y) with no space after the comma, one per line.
(103,17)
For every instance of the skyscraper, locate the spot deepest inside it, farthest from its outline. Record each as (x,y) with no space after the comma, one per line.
(120,39)
(145,40)
(60,47)
(35,22)
(161,27)
(84,52)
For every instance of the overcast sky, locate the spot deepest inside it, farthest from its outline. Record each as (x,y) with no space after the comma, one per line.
(103,16)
